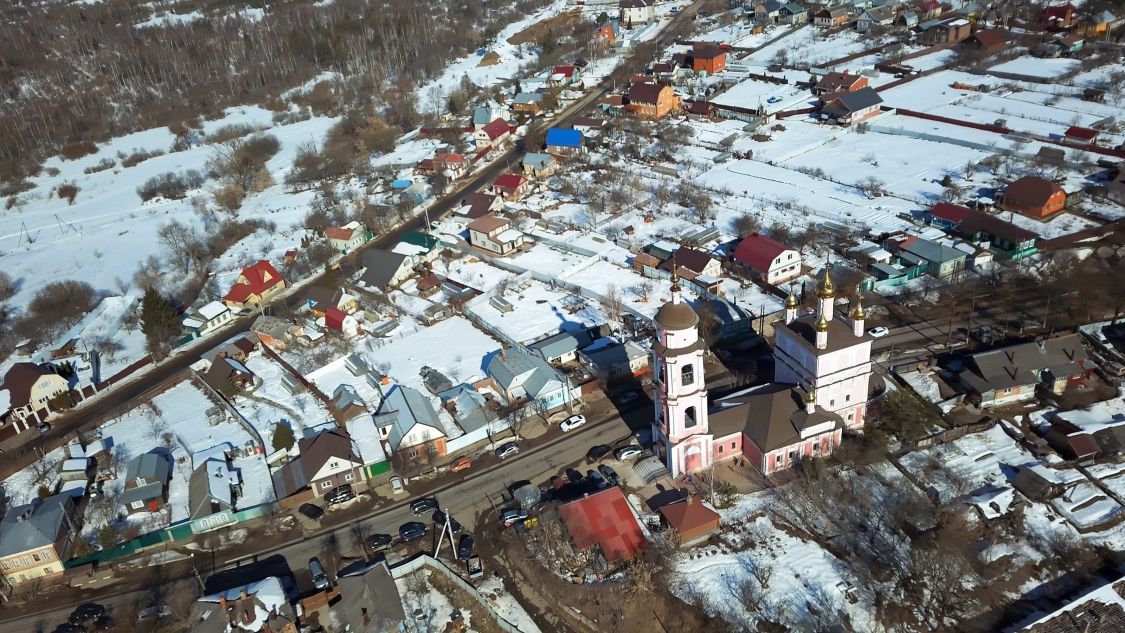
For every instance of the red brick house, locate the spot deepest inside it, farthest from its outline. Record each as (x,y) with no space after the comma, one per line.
(839,82)
(652,101)
(256,284)
(1034,197)
(708,58)
(989,40)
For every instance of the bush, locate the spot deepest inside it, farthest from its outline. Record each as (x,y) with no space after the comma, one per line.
(103,164)
(170,185)
(56,306)
(231,132)
(139,157)
(242,165)
(77,150)
(67,191)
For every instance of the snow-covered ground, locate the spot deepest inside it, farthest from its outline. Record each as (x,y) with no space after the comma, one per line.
(1037,67)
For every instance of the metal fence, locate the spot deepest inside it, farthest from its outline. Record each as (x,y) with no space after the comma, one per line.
(421,561)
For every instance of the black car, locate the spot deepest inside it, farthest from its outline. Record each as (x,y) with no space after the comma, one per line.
(311,511)
(411,531)
(87,612)
(376,542)
(573,475)
(423,505)
(465,547)
(595,479)
(598,452)
(339,494)
(610,474)
(439,522)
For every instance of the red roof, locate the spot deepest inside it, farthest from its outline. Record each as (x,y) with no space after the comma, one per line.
(930,5)
(338,233)
(566,71)
(758,251)
(255,280)
(1084,133)
(1059,12)
(508,181)
(496,129)
(449,159)
(334,319)
(955,213)
(604,519)
(689,516)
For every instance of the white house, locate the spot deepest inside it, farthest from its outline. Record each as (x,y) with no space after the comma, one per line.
(637,11)
(208,318)
(494,234)
(346,238)
(769,258)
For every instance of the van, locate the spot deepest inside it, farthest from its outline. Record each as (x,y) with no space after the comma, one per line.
(319,577)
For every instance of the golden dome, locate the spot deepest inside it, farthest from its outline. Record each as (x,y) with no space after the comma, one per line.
(826,289)
(810,395)
(821,324)
(791,302)
(857,310)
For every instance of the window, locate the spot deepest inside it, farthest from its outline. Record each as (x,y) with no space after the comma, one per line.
(687,375)
(732,445)
(326,484)
(720,450)
(141,481)
(47,555)
(689,418)
(35,557)
(137,505)
(4,565)
(832,402)
(848,398)
(349,477)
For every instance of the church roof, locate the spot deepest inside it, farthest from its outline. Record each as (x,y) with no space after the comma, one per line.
(676,316)
(771,416)
(840,334)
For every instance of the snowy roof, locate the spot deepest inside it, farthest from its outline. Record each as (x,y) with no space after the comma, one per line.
(75,463)
(210,486)
(404,408)
(367,440)
(265,596)
(212,310)
(516,369)
(992,501)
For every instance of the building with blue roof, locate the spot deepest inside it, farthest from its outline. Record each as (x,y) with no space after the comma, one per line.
(563,140)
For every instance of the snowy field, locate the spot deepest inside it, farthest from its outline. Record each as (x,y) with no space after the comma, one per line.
(538,311)
(1037,67)
(810,45)
(271,403)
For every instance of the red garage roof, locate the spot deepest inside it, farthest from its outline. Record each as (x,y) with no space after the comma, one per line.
(566,71)
(758,251)
(604,519)
(1084,133)
(334,319)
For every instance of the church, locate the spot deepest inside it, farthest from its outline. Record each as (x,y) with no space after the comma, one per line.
(822,381)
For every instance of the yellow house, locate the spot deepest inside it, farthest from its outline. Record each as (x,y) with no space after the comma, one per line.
(30,388)
(35,539)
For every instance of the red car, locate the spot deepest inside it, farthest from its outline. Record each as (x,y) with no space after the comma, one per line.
(461,463)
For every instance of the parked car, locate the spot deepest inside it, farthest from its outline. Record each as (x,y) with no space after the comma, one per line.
(411,531)
(155,612)
(511,517)
(572,423)
(596,479)
(439,522)
(465,547)
(610,474)
(311,511)
(878,332)
(423,505)
(598,452)
(573,475)
(339,494)
(319,576)
(626,453)
(43,427)
(507,449)
(461,463)
(397,485)
(377,542)
(86,613)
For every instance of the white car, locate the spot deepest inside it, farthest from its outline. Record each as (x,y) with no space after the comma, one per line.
(878,332)
(572,422)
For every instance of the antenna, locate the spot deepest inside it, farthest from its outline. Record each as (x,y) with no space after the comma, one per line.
(446,528)
(26,236)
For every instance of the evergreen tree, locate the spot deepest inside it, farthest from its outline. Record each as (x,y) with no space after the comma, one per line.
(283,437)
(158,318)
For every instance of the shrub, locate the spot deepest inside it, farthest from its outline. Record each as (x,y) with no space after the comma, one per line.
(139,156)
(229,197)
(78,150)
(103,164)
(170,185)
(231,132)
(56,306)
(67,191)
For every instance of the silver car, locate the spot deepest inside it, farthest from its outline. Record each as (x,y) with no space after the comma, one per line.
(507,449)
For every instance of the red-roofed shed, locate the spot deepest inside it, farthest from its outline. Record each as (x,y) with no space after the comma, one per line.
(693,521)
(1081,134)
(604,519)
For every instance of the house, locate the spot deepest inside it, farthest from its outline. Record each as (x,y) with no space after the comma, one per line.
(907,19)
(562,348)
(611,361)
(1058,17)
(319,299)
(989,40)
(590,127)
(410,426)
(563,141)
(930,9)
(1039,483)
(383,270)
(1005,239)
(76,469)
(774,426)
(339,321)
(208,318)
(347,238)
(324,462)
(528,103)
(832,16)
(604,519)
(538,165)
(768,258)
(948,31)
(474,412)
(146,483)
(708,58)
(36,538)
(606,36)
(492,135)
(511,187)
(839,82)
(1100,24)
(1011,374)
(694,261)
(632,12)
(940,260)
(1034,197)
(652,101)
(483,115)
(1068,44)
(521,375)
(477,204)
(875,17)
(852,107)
(767,12)
(692,520)
(793,13)
(450,164)
(563,76)
(495,234)
(213,491)
(262,606)
(256,284)
(1072,442)
(368,441)
(370,602)
(275,332)
(1115,189)
(1104,421)
(27,393)
(1078,134)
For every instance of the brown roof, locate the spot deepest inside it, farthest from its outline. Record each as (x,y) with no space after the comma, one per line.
(690,516)
(323,298)
(707,50)
(838,81)
(479,203)
(19,380)
(676,316)
(840,334)
(646,93)
(771,416)
(1032,190)
(989,38)
(980,222)
(488,223)
(339,233)
(688,258)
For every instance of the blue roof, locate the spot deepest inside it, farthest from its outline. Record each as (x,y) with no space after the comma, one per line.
(560,137)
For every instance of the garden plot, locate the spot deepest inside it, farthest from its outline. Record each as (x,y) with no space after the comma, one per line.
(1087,507)
(967,464)
(931,91)
(1037,67)
(23,485)
(1065,106)
(1098,78)
(336,373)
(1024,116)
(811,46)
(271,403)
(637,293)
(473,272)
(537,311)
(1058,225)
(753,93)
(428,608)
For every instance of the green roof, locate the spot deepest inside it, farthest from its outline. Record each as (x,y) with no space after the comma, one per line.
(420,239)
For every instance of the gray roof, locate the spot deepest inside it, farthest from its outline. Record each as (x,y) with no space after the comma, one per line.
(771,5)
(482,115)
(380,267)
(729,312)
(538,160)
(561,343)
(854,101)
(403,409)
(470,408)
(209,489)
(370,602)
(880,14)
(933,251)
(155,470)
(613,353)
(34,525)
(528,97)
(1019,365)
(516,369)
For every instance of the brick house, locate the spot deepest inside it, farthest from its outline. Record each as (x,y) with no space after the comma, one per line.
(832,16)
(839,82)
(327,460)
(708,58)
(652,101)
(850,108)
(494,234)
(36,538)
(257,283)
(771,259)
(1034,197)
(989,40)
